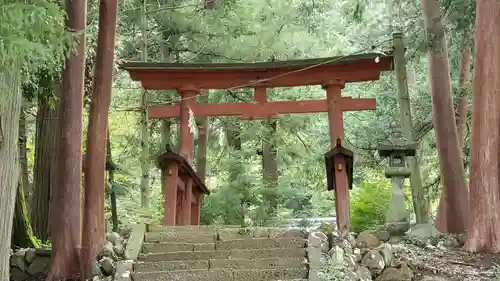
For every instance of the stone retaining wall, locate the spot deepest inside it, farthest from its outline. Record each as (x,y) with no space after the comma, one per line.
(110,263)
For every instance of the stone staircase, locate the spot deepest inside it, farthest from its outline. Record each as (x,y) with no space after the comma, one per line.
(227,253)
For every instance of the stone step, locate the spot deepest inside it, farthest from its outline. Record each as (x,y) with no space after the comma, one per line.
(189,233)
(226,254)
(223,275)
(261,243)
(149,248)
(254,243)
(265,263)
(157,237)
(188,228)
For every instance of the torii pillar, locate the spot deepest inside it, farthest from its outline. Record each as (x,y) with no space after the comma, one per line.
(336,129)
(181,206)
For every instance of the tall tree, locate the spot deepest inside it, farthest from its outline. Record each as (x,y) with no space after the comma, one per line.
(270,167)
(93,231)
(22,233)
(461,111)
(46,158)
(203,131)
(485,138)
(448,146)
(145,157)
(66,204)
(10,109)
(464,81)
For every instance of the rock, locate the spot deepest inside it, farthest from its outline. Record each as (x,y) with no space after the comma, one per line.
(451,241)
(17,274)
(348,275)
(395,239)
(374,261)
(108,251)
(357,255)
(430,247)
(325,247)
(30,256)
(123,270)
(367,240)
(337,255)
(363,274)
(18,259)
(40,264)
(386,252)
(423,231)
(433,278)
(315,239)
(44,252)
(118,249)
(440,246)
(107,266)
(405,270)
(351,239)
(383,235)
(397,228)
(349,261)
(390,274)
(399,273)
(113,237)
(96,270)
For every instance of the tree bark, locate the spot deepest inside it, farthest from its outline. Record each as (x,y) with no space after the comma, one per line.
(448,146)
(201,156)
(46,161)
(233,138)
(485,139)
(462,109)
(166,145)
(145,157)
(464,81)
(23,157)
(94,225)
(270,168)
(111,167)
(22,233)
(10,109)
(66,204)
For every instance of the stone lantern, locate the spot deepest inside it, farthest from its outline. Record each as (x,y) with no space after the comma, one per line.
(397,171)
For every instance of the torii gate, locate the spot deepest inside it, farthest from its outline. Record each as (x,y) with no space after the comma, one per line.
(330,73)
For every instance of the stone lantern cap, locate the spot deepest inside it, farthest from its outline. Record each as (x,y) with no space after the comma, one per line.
(407,149)
(397,151)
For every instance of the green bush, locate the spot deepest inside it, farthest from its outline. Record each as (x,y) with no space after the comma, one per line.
(369,205)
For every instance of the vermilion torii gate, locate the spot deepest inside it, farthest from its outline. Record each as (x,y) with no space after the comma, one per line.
(330,73)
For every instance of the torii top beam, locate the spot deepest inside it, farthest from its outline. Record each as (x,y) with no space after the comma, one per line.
(173,76)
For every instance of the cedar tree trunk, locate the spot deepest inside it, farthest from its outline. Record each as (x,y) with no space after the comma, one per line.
(65,224)
(448,146)
(94,226)
(483,234)
(10,109)
(461,123)
(46,161)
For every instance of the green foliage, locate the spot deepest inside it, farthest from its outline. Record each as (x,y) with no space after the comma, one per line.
(32,34)
(370,205)
(248,31)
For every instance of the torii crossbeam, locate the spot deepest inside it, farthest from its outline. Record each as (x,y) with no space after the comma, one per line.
(330,73)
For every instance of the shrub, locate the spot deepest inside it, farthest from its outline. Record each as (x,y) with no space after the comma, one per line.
(370,205)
